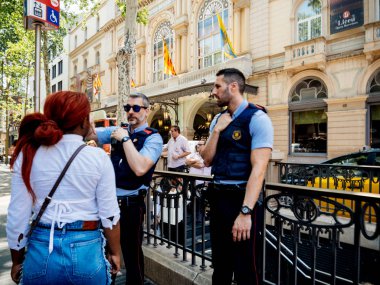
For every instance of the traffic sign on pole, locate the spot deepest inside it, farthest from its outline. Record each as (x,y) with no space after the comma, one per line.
(44,12)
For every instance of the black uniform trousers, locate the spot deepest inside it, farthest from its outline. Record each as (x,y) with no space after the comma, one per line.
(242,259)
(132,211)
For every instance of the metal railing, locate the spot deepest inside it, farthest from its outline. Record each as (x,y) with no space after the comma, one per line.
(311,235)
(306,243)
(339,177)
(173,203)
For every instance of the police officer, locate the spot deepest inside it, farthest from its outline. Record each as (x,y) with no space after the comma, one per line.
(134,157)
(238,149)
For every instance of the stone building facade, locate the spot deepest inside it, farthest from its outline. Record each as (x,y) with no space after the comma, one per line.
(314,64)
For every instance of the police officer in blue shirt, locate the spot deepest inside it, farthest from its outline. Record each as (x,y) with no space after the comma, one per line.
(238,149)
(134,157)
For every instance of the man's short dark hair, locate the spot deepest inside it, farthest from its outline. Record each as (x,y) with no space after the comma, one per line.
(142,96)
(233,75)
(176,128)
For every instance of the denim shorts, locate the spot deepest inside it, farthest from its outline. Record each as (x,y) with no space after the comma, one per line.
(77,257)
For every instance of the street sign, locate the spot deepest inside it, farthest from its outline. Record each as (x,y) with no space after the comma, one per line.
(45,12)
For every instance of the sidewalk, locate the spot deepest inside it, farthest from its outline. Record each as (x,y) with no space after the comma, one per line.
(5,258)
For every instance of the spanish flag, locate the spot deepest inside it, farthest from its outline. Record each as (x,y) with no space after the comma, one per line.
(168,65)
(226,43)
(133,84)
(97,84)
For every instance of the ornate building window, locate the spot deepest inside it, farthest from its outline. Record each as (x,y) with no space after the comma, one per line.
(97,58)
(309,20)
(210,47)
(163,32)
(308,130)
(373,132)
(97,23)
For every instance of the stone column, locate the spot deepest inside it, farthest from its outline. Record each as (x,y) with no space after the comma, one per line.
(143,77)
(244,40)
(184,6)
(177,63)
(179,7)
(236,30)
(138,69)
(183,53)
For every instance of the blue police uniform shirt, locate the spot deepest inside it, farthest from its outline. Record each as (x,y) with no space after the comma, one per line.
(260,128)
(152,149)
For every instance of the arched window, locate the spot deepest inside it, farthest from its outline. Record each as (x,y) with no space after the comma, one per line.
(373,90)
(308,131)
(97,58)
(75,69)
(309,20)
(75,41)
(97,22)
(163,32)
(210,48)
(85,33)
(85,64)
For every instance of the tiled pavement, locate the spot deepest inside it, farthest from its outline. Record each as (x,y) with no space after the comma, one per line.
(5,260)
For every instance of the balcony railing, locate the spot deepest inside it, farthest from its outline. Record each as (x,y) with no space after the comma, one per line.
(305,55)
(311,235)
(196,77)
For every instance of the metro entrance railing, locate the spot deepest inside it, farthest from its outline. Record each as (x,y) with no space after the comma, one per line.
(312,235)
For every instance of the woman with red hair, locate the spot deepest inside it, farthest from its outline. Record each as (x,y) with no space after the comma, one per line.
(67,245)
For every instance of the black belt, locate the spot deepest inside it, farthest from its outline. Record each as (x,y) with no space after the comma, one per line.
(131,200)
(239,187)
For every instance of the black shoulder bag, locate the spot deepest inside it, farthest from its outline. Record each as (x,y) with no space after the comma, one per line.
(52,191)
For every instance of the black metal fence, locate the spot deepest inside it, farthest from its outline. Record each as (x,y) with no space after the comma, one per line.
(178,215)
(309,244)
(312,236)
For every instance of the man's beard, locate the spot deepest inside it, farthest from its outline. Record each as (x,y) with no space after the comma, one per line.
(223,103)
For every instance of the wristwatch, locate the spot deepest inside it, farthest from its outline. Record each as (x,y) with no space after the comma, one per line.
(125,139)
(245,210)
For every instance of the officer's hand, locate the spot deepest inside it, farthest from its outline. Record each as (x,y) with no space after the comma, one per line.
(242,228)
(119,133)
(223,121)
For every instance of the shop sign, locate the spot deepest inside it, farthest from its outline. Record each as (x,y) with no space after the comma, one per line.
(345,15)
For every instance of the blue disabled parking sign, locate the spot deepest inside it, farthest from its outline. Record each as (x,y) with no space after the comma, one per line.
(52,16)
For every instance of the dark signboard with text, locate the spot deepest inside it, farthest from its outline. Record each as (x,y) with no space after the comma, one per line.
(345,15)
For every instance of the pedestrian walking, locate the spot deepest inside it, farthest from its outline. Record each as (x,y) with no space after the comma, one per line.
(177,149)
(134,156)
(238,149)
(50,164)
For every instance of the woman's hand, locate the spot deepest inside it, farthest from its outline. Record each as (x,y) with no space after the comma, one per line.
(114,260)
(16,272)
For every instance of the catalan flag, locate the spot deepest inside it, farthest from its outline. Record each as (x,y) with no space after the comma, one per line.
(133,84)
(97,84)
(226,43)
(168,65)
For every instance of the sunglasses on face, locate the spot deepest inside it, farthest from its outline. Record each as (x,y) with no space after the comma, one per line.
(135,108)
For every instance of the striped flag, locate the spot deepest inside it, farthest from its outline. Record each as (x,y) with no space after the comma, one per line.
(168,65)
(226,43)
(97,84)
(89,87)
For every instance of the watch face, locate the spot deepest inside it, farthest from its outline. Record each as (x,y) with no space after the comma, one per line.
(245,210)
